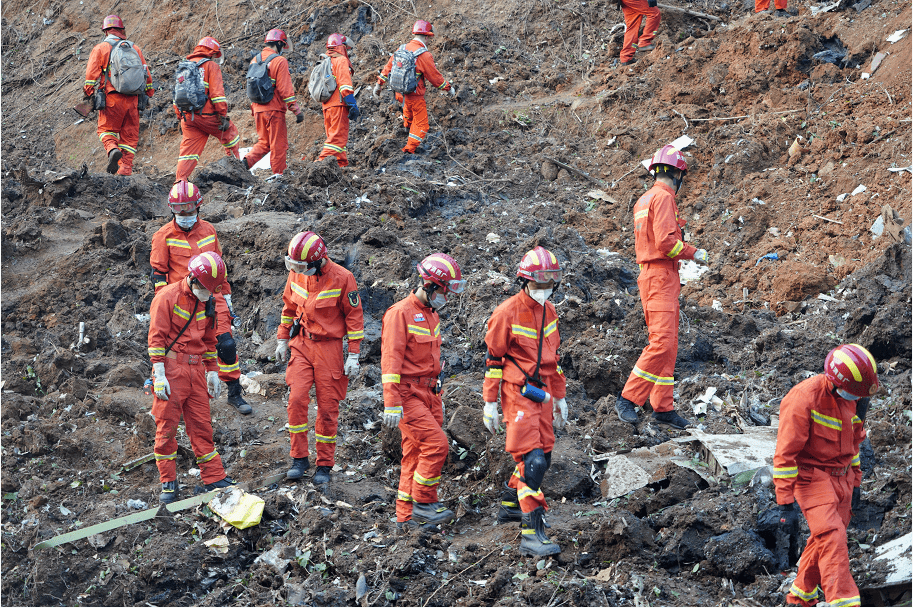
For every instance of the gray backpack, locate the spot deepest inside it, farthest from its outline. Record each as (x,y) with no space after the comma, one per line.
(322,83)
(189,89)
(125,69)
(402,77)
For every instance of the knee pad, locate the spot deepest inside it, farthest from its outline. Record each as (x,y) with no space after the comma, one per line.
(226,348)
(534,466)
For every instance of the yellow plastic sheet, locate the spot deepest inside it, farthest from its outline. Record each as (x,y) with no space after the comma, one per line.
(237,507)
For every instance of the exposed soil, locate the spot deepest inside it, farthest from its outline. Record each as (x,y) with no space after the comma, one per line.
(538,82)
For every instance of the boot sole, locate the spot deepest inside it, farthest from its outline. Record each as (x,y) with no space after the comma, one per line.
(115,157)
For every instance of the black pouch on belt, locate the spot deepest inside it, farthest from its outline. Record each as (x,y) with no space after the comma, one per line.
(99,101)
(296,328)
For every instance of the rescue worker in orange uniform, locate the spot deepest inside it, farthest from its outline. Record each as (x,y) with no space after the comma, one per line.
(173,245)
(118,121)
(212,119)
(659,247)
(341,107)
(637,12)
(182,348)
(522,366)
(816,464)
(410,364)
(272,132)
(320,307)
(415,111)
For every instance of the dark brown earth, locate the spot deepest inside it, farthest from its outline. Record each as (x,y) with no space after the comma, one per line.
(538,82)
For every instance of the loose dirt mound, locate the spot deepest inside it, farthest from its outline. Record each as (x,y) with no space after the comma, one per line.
(540,146)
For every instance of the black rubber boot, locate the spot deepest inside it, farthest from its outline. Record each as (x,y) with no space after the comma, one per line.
(222,483)
(169,492)
(533,541)
(671,419)
(299,466)
(114,157)
(431,513)
(626,410)
(321,475)
(236,399)
(510,506)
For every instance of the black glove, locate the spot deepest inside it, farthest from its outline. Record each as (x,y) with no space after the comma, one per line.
(651,3)
(354,113)
(299,117)
(224,123)
(789,517)
(857,499)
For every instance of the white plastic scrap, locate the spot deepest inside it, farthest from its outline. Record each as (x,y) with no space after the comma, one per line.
(896,36)
(859,190)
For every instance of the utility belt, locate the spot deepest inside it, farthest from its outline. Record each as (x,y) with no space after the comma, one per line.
(431,383)
(836,472)
(185,358)
(309,336)
(660,264)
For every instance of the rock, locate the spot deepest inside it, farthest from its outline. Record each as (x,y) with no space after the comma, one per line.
(126,375)
(112,234)
(549,170)
(466,428)
(569,474)
(740,554)
(324,173)
(378,237)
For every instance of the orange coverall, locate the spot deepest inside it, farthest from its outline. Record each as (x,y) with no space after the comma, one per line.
(635,12)
(118,123)
(415,112)
(763,5)
(410,363)
(186,365)
(816,464)
(272,132)
(513,329)
(330,309)
(197,128)
(659,246)
(335,111)
(172,250)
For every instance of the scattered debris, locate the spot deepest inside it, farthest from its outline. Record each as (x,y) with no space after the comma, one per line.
(276,558)
(237,507)
(767,256)
(600,194)
(734,454)
(493,238)
(219,544)
(896,36)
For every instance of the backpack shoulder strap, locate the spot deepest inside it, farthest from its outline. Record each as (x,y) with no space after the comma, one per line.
(415,54)
(202,61)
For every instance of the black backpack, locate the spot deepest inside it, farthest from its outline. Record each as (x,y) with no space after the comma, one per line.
(402,77)
(260,87)
(189,89)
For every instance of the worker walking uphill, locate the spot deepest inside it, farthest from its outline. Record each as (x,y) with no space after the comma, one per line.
(201,106)
(320,307)
(341,107)
(659,247)
(407,70)
(270,96)
(635,13)
(522,366)
(182,348)
(173,246)
(120,82)
(410,365)
(816,464)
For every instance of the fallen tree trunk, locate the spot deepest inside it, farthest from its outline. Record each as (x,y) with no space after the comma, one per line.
(689,12)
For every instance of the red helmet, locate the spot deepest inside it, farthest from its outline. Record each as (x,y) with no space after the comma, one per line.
(670,156)
(211,43)
(852,368)
(184,196)
(278,36)
(540,266)
(339,40)
(442,270)
(209,270)
(112,21)
(423,27)
(304,251)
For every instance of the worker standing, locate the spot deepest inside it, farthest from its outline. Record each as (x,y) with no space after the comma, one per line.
(410,363)
(182,348)
(269,115)
(762,6)
(320,307)
(173,245)
(212,118)
(816,464)
(120,93)
(522,367)
(659,247)
(341,107)
(637,12)
(416,66)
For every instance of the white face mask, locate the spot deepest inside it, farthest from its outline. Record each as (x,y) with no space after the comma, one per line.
(845,395)
(186,221)
(540,295)
(437,300)
(202,295)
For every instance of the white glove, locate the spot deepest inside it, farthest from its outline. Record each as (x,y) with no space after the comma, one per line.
(560,413)
(376,91)
(702,256)
(281,350)
(213,385)
(160,384)
(392,416)
(351,365)
(453,91)
(492,419)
